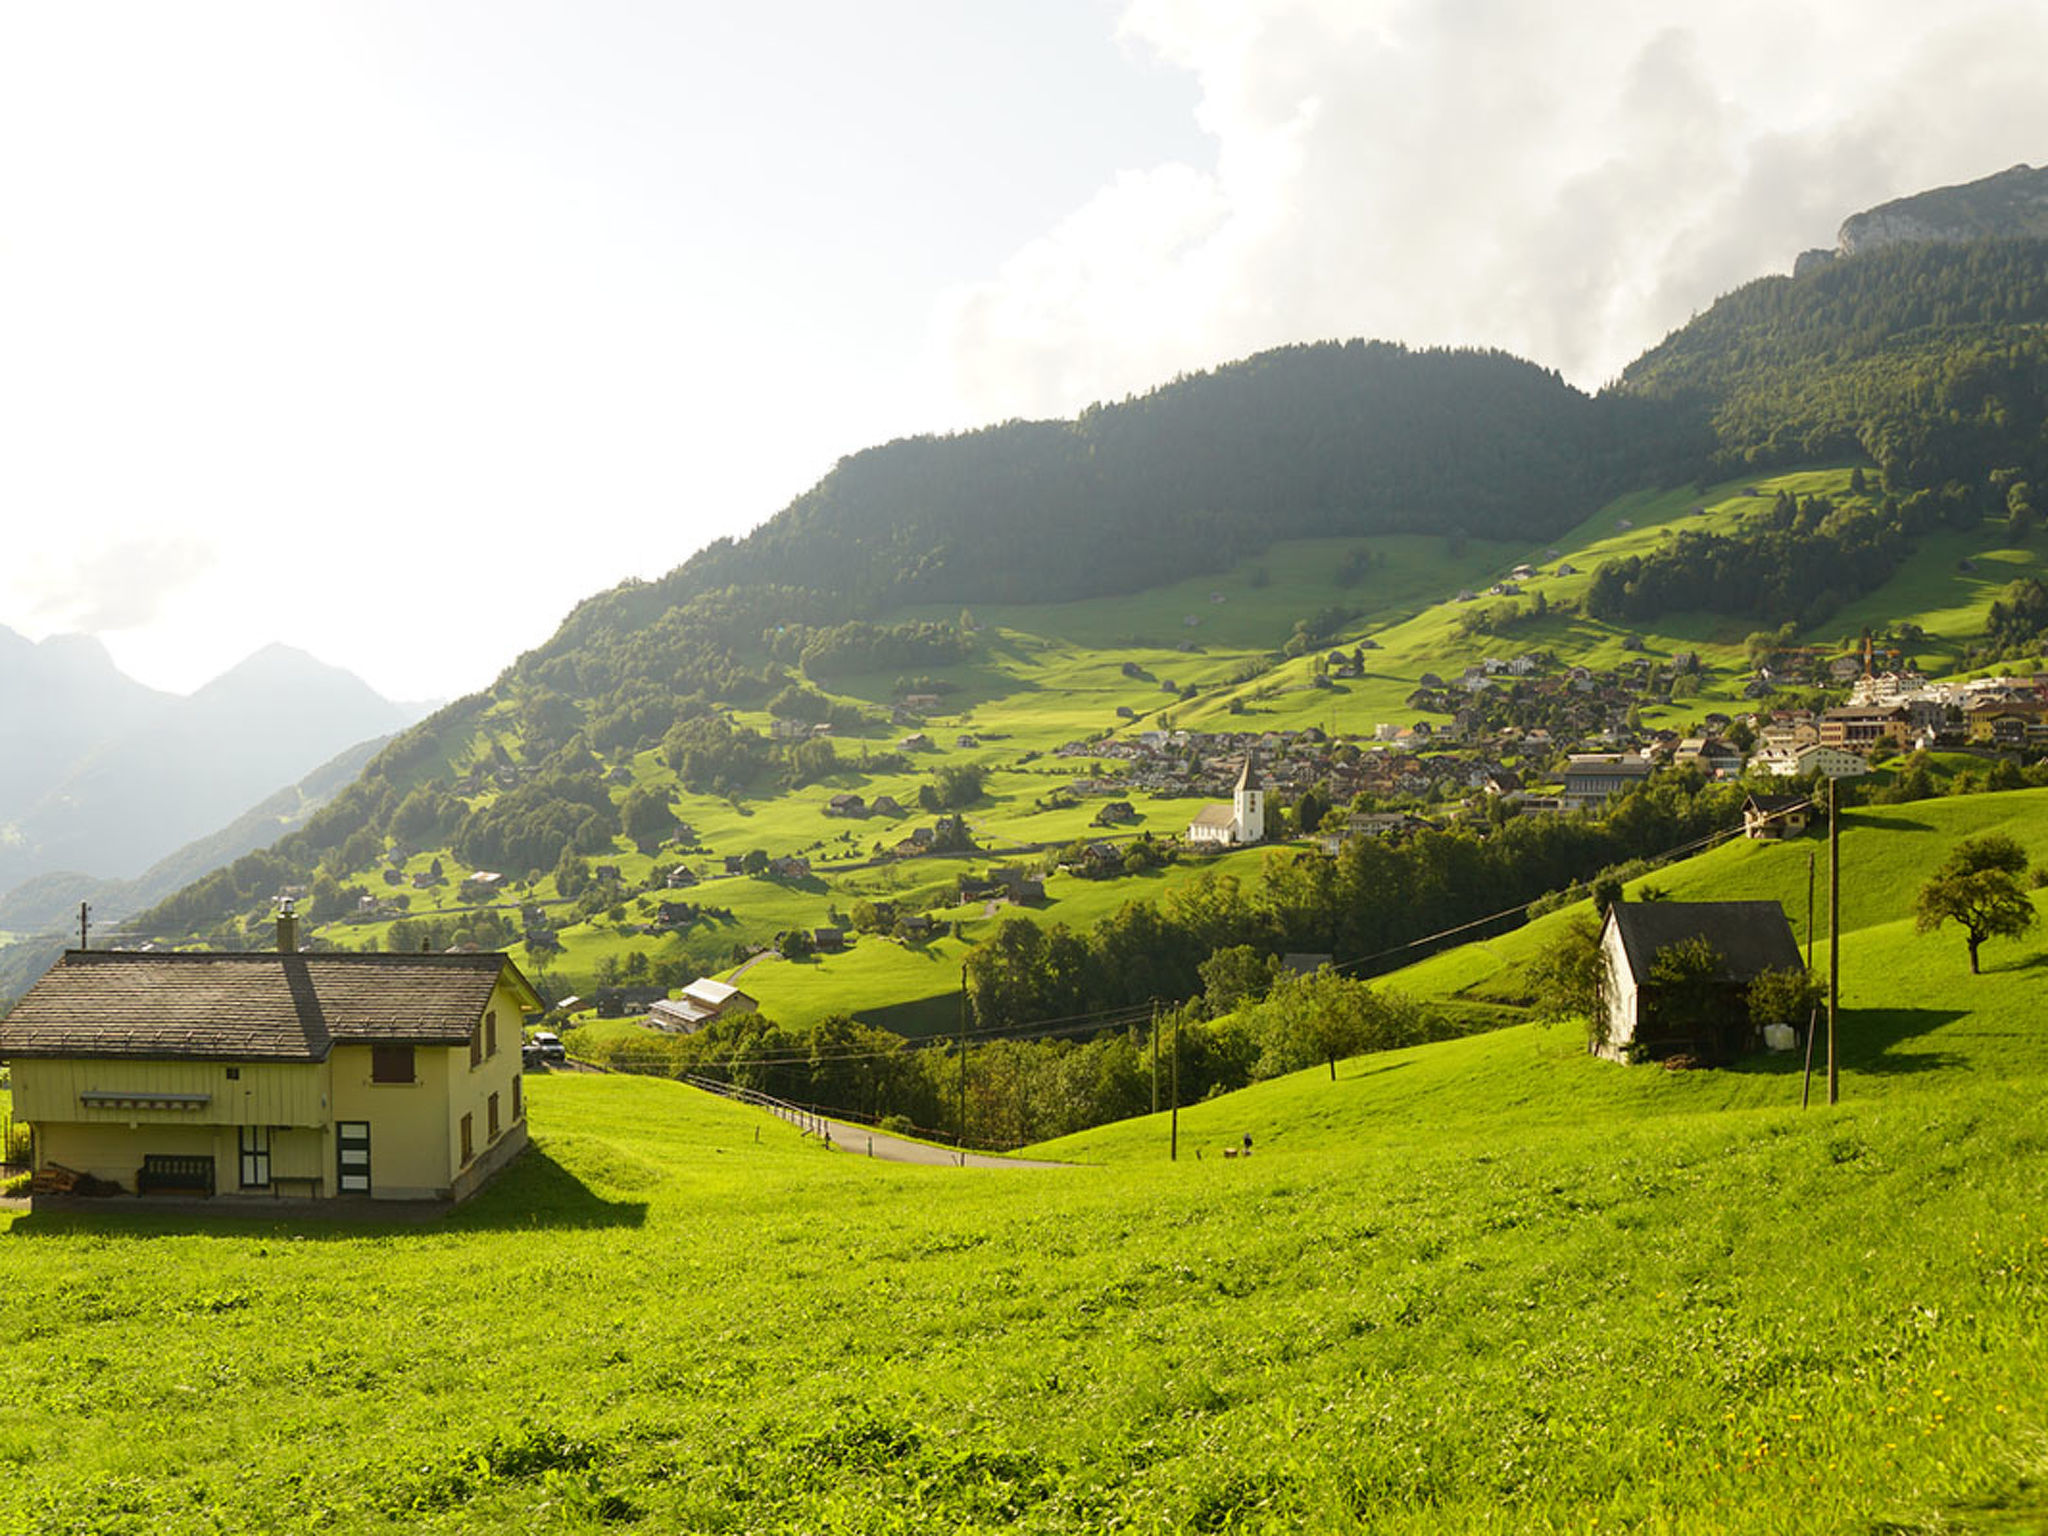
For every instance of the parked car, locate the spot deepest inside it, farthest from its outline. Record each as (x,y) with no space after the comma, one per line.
(549,1047)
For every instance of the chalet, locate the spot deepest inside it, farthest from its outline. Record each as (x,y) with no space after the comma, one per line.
(885,805)
(845,803)
(617,1002)
(680,877)
(240,1076)
(921,701)
(2005,722)
(1115,813)
(1236,824)
(1769,818)
(789,866)
(702,1001)
(1713,754)
(829,940)
(1635,1022)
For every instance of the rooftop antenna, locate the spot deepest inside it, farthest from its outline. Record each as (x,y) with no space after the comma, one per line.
(83,910)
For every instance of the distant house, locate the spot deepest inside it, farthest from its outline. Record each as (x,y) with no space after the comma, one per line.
(240,1075)
(1591,778)
(1115,813)
(1828,762)
(829,940)
(1751,937)
(1857,729)
(701,1001)
(885,805)
(845,803)
(1770,818)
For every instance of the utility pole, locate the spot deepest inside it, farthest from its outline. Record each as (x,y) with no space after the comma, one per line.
(1155,1055)
(1834,934)
(960,1134)
(83,909)
(1173,1146)
(1809,910)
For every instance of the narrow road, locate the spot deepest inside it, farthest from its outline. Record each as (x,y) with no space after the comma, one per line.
(862,1141)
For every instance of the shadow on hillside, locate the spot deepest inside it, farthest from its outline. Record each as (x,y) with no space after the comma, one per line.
(1867,1040)
(536,1194)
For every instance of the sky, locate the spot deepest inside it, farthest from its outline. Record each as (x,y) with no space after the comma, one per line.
(391,330)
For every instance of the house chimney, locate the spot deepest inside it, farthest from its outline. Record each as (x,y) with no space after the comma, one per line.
(287,928)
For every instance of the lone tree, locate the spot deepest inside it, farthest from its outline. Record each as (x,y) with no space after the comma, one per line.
(1979,887)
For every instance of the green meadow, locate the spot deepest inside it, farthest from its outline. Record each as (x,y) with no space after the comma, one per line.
(1045,675)
(1490,1285)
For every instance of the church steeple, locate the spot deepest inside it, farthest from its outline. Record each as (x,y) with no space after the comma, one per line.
(1248,804)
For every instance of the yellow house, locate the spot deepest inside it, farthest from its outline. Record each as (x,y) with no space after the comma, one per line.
(250,1076)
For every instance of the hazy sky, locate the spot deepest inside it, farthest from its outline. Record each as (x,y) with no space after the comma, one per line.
(391,330)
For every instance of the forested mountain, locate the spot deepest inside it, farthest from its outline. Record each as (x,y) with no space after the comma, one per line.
(1358,437)
(1925,363)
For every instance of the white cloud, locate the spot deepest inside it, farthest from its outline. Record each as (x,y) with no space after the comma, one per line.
(1569,183)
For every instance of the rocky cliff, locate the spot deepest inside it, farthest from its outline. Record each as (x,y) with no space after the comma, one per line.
(2011,204)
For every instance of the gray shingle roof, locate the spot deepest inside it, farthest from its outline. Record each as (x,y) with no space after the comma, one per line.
(259,1006)
(1751,936)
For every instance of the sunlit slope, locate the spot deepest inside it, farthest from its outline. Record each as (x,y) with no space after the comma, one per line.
(1887,854)
(1492,1286)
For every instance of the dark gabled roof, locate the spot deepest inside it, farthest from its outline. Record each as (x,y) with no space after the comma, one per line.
(259,1006)
(1751,936)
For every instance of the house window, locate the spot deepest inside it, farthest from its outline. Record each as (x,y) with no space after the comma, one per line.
(468,1139)
(391,1064)
(234,1074)
(491,1033)
(255,1157)
(518,1099)
(493,1118)
(476,1044)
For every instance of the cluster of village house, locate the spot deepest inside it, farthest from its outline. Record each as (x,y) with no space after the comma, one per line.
(1893,712)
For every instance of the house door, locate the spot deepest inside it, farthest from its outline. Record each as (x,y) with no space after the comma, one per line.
(255,1157)
(352,1156)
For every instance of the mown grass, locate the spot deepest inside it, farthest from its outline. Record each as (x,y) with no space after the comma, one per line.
(1492,1285)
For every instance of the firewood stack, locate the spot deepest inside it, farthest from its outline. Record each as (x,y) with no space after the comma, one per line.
(56,1179)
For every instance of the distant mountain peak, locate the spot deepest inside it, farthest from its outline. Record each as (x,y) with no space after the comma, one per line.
(2011,204)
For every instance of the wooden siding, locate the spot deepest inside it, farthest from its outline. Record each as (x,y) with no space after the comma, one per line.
(262,1093)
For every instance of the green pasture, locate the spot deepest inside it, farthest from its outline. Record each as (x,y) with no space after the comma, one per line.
(1048,674)
(1887,853)
(1492,1285)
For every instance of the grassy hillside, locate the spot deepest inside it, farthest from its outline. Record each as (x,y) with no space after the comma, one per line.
(1887,853)
(1040,676)
(1492,1285)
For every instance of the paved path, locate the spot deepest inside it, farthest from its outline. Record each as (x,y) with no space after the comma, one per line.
(863,1141)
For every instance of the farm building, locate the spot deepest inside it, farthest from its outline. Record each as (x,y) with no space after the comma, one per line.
(1637,1020)
(240,1075)
(702,1001)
